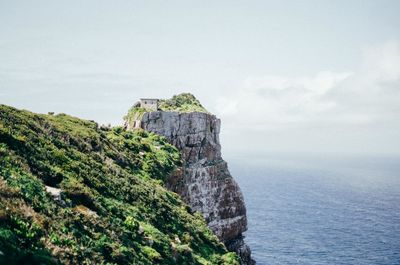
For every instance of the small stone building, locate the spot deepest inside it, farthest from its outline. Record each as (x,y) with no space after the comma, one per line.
(149,103)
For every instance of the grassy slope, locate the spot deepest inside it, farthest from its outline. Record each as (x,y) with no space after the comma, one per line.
(114,210)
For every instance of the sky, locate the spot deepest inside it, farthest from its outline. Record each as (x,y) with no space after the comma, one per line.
(284,76)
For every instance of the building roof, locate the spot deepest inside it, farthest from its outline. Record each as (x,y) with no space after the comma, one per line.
(149,99)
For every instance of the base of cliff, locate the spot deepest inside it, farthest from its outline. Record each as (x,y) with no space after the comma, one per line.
(239,246)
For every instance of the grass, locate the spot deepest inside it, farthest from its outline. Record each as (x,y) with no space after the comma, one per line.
(114,208)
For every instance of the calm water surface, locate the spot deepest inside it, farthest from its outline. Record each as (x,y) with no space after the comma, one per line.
(322,211)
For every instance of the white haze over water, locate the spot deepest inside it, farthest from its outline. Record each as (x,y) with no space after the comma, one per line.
(356,112)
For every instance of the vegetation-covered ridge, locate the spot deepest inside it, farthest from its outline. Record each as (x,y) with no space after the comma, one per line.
(184,102)
(112,207)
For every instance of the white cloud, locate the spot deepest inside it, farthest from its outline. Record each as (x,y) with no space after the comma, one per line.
(278,99)
(383,62)
(368,97)
(325,96)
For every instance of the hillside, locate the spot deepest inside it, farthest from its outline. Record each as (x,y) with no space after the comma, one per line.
(112,207)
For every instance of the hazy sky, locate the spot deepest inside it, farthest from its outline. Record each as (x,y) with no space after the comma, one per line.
(287,76)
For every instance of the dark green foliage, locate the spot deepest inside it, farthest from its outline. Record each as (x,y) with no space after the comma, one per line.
(113,209)
(134,113)
(184,102)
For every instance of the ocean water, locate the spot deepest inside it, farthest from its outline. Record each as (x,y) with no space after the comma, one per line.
(321,210)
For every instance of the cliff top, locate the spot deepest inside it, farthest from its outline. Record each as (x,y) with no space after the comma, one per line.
(184,102)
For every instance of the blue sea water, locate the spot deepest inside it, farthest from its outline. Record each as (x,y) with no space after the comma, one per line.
(321,210)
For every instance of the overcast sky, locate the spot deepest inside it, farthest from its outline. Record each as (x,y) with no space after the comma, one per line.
(284,76)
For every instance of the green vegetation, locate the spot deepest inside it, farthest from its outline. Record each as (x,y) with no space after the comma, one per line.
(184,102)
(113,208)
(134,113)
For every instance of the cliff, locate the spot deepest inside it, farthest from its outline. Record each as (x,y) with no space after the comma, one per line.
(204,181)
(72,192)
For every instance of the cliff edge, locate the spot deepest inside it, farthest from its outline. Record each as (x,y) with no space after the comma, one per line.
(204,181)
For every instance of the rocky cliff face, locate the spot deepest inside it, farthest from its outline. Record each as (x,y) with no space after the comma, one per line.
(204,181)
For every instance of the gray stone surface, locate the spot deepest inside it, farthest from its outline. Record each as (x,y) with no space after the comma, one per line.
(204,181)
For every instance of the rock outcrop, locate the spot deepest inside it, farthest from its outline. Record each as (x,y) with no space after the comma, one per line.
(204,181)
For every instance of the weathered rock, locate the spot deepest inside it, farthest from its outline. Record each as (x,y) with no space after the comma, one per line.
(204,181)
(241,249)
(56,194)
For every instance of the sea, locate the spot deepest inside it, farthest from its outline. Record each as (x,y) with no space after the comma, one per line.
(320,209)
